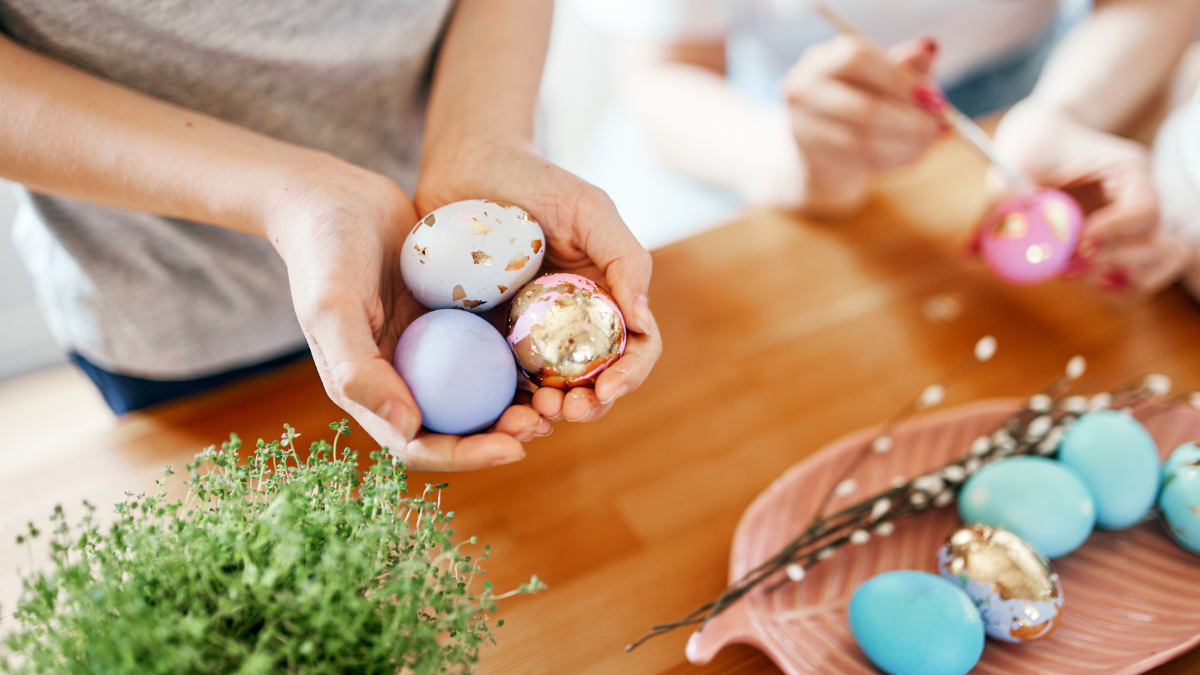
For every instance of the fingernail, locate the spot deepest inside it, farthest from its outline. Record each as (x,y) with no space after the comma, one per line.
(387,408)
(929,45)
(641,313)
(929,99)
(508,460)
(1116,278)
(620,392)
(547,433)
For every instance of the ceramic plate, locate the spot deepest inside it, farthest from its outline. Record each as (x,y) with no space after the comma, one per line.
(1132,598)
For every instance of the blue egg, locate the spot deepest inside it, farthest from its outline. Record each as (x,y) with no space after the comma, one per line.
(459,369)
(1038,499)
(1179,502)
(1187,453)
(916,623)
(1118,461)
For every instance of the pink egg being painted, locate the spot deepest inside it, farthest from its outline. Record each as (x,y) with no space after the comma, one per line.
(565,330)
(1027,238)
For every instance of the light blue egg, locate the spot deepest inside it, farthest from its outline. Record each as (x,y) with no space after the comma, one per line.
(1040,500)
(916,623)
(1118,461)
(1187,453)
(459,369)
(1179,502)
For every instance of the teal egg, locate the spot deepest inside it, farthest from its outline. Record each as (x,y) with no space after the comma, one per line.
(1118,461)
(1187,453)
(1040,500)
(1179,502)
(916,623)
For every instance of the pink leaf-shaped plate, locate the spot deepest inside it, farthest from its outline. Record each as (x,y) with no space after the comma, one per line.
(1132,598)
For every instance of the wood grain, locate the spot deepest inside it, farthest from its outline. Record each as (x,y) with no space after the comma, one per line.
(780,336)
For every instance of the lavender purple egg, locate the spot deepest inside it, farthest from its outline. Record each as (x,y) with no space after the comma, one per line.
(565,330)
(458,368)
(1027,238)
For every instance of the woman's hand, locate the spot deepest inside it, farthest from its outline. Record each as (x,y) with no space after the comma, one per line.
(854,112)
(339,228)
(584,235)
(1121,249)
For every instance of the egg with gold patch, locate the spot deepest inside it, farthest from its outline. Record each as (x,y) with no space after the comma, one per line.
(565,330)
(1031,237)
(1012,585)
(471,255)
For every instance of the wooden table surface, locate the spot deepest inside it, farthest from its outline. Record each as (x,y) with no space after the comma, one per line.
(780,336)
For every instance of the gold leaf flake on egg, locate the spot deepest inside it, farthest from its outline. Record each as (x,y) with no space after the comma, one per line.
(1012,227)
(422,262)
(473,303)
(421,250)
(536,244)
(502,287)
(525,217)
(518,261)
(481,258)
(513,240)
(481,227)
(428,220)
(503,205)
(1059,217)
(458,293)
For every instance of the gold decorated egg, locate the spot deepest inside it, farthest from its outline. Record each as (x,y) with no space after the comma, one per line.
(565,330)
(1017,593)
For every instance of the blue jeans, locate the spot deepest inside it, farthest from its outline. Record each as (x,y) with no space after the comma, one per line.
(125,394)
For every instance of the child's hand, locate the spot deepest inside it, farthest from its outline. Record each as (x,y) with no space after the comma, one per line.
(584,235)
(339,229)
(854,112)
(1121,249)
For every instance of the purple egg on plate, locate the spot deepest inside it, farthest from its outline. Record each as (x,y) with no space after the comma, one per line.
(459,369)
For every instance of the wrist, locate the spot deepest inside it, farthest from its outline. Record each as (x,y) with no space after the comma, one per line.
(834,191)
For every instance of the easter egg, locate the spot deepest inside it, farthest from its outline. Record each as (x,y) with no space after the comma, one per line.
(459,370)
(565,330)
(1011,584)
(1118,461)
(1179,501)
(1030,237)
(471,255)
(916,623)
(1039,500)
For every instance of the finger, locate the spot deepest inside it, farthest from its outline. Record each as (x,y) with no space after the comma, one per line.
(518,421)
(877,115)
(629,372)
(438,452)
(1131,211)
(1141,269)
(918,55)
(854,60)
(580,404)
(544,429)
(356,376)
(548,402)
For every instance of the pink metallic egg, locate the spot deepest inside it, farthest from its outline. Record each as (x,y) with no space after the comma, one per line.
(565,330)
(1031,237)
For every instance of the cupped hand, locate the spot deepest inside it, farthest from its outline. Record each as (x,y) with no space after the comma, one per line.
(1122,249)
(855,110)
(584,236)
(339,228)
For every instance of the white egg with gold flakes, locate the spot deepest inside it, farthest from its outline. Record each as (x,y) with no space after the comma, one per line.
(471,255)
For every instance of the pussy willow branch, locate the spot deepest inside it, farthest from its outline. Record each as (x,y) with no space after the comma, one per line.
(1036,428)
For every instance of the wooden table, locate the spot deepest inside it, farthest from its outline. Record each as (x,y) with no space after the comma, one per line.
(780,337)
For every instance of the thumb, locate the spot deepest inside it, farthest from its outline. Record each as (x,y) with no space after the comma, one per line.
(356,376)
(918,55)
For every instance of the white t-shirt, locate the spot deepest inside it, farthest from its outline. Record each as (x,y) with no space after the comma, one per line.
(765,37)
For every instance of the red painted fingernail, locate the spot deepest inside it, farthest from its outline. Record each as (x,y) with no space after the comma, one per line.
(929,99)
(929,45)
(1116,278)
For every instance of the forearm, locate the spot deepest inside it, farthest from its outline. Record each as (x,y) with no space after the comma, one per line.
(486,82)
(67,133)
(700,126)
(1116,59)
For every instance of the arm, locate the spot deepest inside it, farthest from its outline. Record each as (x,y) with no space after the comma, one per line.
(849,113)
(337,226)
(478,144)
(1097,80)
